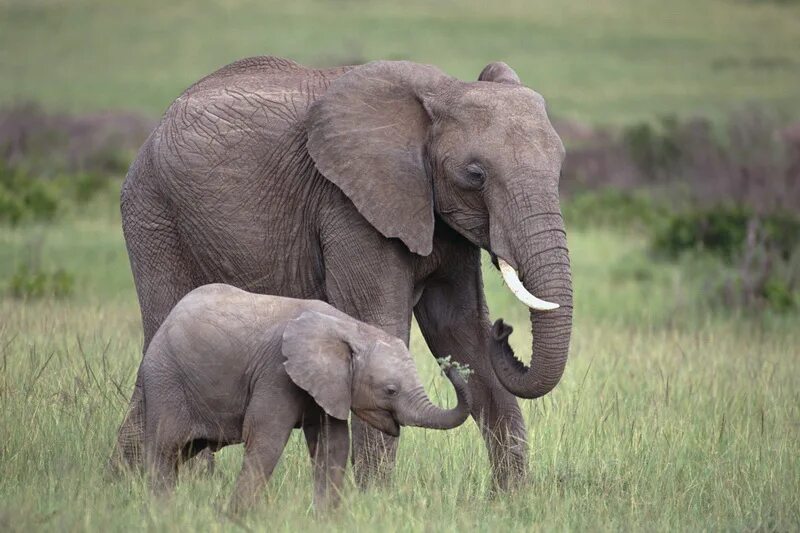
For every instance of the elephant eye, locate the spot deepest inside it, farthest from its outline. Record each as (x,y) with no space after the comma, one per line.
(391,390)
(476,172)
(475,176)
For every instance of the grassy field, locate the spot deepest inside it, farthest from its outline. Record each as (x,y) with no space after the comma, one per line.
(668,417)
(672,415)
(603,61)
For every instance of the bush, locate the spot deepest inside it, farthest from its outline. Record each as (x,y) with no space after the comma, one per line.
(11,209)
(779,294)
(22,197)
(85,186)
(723,231)
(615,208)
(720,231)
(751,160)
(655,150)
(760,253)
(31,282)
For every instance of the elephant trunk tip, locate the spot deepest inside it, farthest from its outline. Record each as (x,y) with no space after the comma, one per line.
(462,393)
(510,371)
(423,413)
(501,351)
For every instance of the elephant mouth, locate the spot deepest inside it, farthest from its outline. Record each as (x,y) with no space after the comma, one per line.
(380,419)
(494,259)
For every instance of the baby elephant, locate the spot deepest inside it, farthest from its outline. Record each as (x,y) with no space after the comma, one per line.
(228,366)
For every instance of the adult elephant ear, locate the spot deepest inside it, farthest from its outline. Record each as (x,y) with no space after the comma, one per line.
(367,135)
(318,360)
(499,72)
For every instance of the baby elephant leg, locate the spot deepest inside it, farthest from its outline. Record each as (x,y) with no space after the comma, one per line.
(164,438)
(264,441)
(328,443)
(161,458)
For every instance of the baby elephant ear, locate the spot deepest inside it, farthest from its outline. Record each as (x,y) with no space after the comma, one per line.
(499,72)
(318,360)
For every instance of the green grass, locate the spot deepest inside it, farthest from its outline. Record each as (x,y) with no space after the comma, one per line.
(668,417)
(671,415)
(604,61)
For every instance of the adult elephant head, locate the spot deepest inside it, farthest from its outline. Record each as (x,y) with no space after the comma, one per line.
(407,144)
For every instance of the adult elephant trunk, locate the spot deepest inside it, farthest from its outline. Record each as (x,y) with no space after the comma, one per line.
(535,265)
(417,410)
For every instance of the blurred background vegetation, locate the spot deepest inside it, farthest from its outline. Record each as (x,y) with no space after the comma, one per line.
(678,116)
(681,194)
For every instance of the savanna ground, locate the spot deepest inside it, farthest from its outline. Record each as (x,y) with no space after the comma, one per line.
(673,414)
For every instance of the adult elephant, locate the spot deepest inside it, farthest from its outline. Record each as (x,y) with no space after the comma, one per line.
(373,188)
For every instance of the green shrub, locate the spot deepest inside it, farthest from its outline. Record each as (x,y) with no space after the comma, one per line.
(39,201)
(23,197)
(723,231)
(614,208)
(783,230)
(26,197)
(11,208)
(654,149)
(31,282)
(86,186)
(759,254)
(109,162)
(779,294)
(720,231)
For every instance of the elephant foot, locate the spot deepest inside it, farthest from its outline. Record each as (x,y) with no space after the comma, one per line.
(127,456)
(508,475)
(508,452)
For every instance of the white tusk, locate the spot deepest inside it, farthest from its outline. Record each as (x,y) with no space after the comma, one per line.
(519,290)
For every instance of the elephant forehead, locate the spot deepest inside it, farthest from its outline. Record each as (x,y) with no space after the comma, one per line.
(391,348)
(522,138)
(388,354)
(514,116)
(494,101)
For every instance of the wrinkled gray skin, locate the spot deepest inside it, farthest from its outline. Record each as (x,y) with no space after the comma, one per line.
(372,188)
(229,366)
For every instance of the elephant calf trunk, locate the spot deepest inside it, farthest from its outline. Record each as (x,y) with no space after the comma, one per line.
(420,412)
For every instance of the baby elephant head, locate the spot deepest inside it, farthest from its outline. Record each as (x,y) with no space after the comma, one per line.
(345,364)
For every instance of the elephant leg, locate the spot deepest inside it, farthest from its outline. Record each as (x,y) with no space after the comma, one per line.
(453,318)
(265,436)
(162,273)
(164,440)
(127,452)
(311,430)
(162,461)
(497,413)
(370,279)
(374,451)
(370,452)
(328,442)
